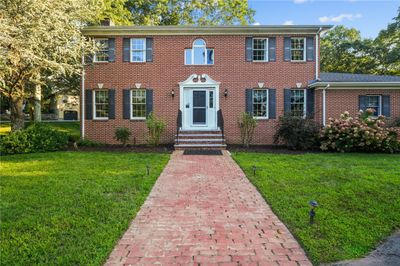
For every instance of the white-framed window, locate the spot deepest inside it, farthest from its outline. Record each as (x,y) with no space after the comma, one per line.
(199,54)
(374,102)
(100,104)
(101,54)
(260,49)
(298,102)
(138,50)
(298,49)
(138,104)
(260,103)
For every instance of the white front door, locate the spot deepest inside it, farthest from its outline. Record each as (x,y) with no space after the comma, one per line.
(199,109)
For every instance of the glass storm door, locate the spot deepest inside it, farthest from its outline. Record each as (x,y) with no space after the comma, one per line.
(199,109)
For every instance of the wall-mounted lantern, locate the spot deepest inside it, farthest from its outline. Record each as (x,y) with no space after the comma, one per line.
(226,93)
(172,93)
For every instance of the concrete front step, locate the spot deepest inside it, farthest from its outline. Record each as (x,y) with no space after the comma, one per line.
(210,139)
(198,135)
(198,140)
(200,132)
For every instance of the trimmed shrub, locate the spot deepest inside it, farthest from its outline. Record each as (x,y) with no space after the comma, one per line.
(88,143)
(364,133)
(122,134)
(297,132)
(36,138)
(247,123)
(156,127)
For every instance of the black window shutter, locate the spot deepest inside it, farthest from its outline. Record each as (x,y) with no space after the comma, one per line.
(386,105)
(149,101)
(89,104)
(310,49)
(249,101)
(149,49)
(111,104)
(310,103)
(271,103)
(286,50)
(126,56)
(272,49)
(126,104)
(249,49)
(111,50)
(286,99)
(362,102)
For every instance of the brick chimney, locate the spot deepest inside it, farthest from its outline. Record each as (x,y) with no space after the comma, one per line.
(107,22)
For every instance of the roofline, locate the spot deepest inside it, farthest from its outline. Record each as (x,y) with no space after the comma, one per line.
(203,30)
(356,85)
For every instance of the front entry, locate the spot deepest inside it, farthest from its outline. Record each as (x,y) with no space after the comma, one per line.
(199,109)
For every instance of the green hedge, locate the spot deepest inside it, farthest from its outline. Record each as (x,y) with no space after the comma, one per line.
(36,138)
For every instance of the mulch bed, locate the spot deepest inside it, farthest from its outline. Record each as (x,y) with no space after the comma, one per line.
(118,148)
(278,149)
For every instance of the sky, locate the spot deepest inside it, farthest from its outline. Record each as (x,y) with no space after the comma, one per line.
(368,16)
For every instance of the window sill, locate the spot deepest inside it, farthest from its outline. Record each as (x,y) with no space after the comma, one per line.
(267,61)
(101,62)
(261,118)
(298,62)
(138,119)
(210,65)
(100,119)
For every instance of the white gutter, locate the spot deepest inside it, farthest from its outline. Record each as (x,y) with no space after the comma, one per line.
(317,53)
(354,85)
(324,105)
(83,99)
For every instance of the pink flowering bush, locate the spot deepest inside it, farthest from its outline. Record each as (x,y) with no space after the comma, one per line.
(362,133)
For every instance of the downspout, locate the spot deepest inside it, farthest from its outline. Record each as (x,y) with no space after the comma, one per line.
(324,105)
(317,54)
(83,100)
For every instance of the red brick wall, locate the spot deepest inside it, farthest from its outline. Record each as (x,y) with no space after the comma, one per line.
(340,100)
(167,69)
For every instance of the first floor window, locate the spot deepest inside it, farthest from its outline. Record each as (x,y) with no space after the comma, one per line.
(297,49)
(374,102)
(101,104)
(101,54)
(138,50)
(260,103)
(297,102)
(260,49)
(138,104)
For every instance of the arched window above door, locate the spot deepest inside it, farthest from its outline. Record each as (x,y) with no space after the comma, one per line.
(199,54)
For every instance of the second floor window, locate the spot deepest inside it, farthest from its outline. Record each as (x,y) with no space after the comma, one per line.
(100,104)
(101,54)
(297,102)
(138,50)
(138,100)
(260,49)
(298,51)
(260,103)
(199,54)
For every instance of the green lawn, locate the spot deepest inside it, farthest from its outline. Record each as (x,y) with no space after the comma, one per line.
(71,128)
(359,197)
(70,208)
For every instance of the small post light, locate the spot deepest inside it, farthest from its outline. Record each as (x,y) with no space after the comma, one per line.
(173,93)
(313,205)
(226,93)
(148,169)
(254,170)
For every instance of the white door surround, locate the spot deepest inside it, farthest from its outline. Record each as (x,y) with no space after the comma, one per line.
(199,86)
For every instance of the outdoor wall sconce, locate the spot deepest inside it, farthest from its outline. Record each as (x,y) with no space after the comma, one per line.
(226,93)
(313,205)
(172,93)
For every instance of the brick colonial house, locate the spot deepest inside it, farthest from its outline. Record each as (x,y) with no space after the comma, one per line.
(200,79)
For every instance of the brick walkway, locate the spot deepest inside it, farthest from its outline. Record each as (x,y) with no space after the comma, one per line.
(204,211)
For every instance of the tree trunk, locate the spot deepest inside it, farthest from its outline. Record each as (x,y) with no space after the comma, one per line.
(17,114)
(38,103)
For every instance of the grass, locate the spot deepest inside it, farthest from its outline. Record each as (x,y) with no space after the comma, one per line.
(70,208)
(359,197)
(71,128)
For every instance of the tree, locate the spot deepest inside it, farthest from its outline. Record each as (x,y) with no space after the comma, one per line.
(343,50)
(116,11)
(36,37)
(190,12)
